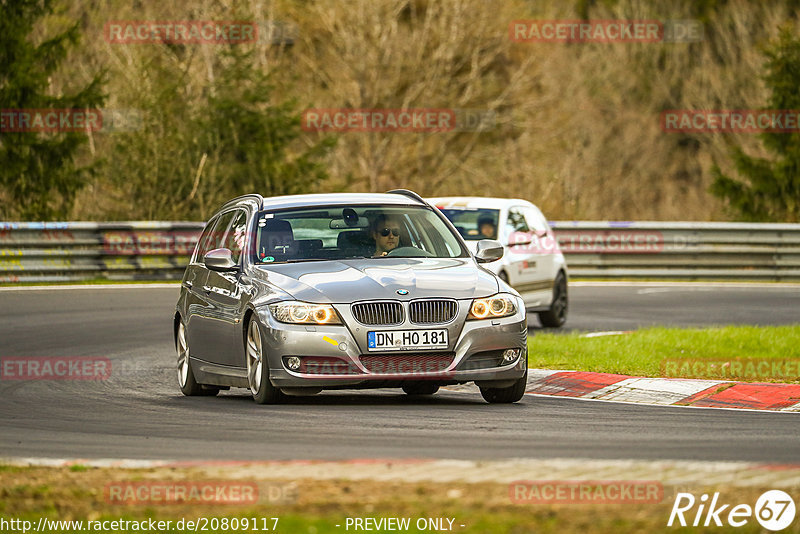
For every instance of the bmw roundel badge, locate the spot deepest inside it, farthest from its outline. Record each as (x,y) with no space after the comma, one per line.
(402,291)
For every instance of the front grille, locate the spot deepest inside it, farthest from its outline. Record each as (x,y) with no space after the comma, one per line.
(407,364)
(378,313)
(434,311)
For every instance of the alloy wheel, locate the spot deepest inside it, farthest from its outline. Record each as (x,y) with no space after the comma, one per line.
(183,357)
(255,357)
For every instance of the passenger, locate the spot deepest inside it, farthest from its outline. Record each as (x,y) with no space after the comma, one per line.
(385,230)
(487,228)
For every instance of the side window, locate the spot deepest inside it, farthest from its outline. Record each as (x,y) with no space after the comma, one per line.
(234,239)
(517,229)
(516,222)
(536,221)
(216,235)
(203,242)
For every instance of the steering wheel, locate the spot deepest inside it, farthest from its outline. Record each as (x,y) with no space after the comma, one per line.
(409,252)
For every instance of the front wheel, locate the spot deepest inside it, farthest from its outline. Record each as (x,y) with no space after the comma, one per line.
(258,367)
(556,316)
(186,380)
(506,395)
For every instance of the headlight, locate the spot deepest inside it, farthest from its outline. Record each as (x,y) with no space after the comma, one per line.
(500,305)
(304,313)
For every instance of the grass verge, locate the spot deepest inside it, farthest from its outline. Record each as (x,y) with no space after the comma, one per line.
(744,353)
(318,506)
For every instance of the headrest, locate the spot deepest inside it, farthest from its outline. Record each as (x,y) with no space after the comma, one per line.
(277,238)
(278,226)
(354,239)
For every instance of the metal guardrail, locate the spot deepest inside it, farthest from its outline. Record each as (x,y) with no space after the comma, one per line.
(74,251)
(49,252)
(681,250)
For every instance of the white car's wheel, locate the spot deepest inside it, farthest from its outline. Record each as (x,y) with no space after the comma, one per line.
(556,316)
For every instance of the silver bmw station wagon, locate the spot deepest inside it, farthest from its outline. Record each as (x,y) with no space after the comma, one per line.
(291,295)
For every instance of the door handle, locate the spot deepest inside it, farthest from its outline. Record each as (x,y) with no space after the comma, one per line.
(207,289)
(188,284)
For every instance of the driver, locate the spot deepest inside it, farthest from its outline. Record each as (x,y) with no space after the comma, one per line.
(486,227)
(386,233)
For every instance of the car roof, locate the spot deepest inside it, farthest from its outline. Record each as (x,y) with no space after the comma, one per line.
(328,199)
(336,199)
(477,202)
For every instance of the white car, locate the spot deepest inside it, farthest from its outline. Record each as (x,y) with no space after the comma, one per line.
(532,264)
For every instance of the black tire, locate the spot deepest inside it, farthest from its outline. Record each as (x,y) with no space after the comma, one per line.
(186,380)
(506,395)
(261,387)
(420,389)
(556,316)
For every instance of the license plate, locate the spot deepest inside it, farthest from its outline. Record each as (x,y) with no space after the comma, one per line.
(407,339)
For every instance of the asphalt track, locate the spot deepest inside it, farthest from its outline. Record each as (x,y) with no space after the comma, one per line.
(139,412)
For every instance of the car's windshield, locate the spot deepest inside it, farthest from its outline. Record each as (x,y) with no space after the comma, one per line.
(339,232)
(473,224)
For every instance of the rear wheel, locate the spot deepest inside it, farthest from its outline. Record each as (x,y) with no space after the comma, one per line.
(556,316)
(420,389)
(186,380)
(258,367)
(506,395)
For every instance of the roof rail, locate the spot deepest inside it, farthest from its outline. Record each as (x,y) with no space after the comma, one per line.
(253,196)
(407,193)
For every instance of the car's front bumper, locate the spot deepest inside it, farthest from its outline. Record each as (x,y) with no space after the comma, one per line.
(474,354)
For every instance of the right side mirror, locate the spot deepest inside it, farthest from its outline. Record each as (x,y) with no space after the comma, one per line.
(488,250)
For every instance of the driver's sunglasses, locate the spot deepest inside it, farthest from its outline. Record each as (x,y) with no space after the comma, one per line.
(394,231)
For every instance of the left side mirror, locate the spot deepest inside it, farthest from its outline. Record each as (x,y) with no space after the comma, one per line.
(488,250)
(220,260)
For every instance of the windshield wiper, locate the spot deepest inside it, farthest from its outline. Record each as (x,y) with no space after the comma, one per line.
(303,260)
(293,260)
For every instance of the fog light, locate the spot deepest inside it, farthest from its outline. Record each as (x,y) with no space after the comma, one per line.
(509,355)
(293,363)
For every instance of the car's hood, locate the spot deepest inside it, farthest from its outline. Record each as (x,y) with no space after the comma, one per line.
(346,281)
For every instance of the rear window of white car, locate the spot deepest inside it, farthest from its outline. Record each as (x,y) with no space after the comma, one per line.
(473,224)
